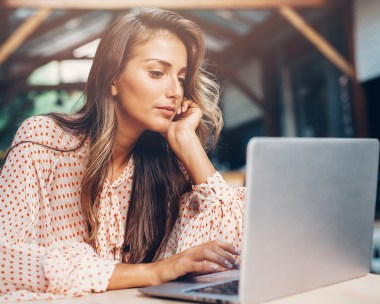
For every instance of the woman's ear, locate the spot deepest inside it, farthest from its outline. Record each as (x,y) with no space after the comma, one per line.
(113,89)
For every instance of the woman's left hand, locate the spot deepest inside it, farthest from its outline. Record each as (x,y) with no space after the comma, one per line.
(187,119)
(185,142)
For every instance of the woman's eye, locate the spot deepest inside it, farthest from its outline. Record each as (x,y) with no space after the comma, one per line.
(156,74)
(182,81)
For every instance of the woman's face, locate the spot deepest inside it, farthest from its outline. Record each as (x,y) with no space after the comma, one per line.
(150,90)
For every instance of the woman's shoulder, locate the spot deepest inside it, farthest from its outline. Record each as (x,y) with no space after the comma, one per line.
(45,131)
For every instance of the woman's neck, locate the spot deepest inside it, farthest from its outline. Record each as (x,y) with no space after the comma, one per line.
(124,144)
(123,148)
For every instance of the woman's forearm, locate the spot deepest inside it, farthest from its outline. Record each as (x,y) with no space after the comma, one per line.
(194,157)
(217,253)
(131,275)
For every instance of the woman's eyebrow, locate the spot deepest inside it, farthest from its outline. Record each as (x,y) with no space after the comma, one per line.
(165,63)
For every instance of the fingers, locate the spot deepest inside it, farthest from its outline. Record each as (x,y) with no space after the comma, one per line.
(186,103)
(217,252)
(220,257)
(229,261)
(201,267)
(210,257)
(227,246)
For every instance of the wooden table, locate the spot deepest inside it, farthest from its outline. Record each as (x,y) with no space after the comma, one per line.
(364,290)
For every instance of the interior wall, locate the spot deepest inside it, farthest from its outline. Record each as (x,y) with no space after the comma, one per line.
(238,108)
(367,38)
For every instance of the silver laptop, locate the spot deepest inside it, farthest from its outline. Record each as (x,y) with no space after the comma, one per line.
(308,223)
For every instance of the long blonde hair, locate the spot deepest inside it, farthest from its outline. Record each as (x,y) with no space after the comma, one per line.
(152,213)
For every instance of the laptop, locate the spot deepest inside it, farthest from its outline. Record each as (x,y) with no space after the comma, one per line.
(308,221)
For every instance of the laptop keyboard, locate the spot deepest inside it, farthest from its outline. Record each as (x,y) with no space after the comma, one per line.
(227,288)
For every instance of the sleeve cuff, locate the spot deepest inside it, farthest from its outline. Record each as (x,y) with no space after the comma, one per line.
(74,268)
(214,189)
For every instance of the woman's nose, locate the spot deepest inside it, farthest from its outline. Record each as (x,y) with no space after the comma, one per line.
(175,89)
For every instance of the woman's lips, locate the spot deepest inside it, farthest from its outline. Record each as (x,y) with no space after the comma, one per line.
(167,111)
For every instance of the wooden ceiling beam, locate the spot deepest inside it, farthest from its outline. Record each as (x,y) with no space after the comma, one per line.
(57,22)
(22,33)
(50,25)
(248,45)
(317,40)
(21,60)
(170,4)
(226,74)
(59,87)
(243,19)
(4,24)
(211,27)
(39,61)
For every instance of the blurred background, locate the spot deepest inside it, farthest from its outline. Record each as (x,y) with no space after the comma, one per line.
(305,68)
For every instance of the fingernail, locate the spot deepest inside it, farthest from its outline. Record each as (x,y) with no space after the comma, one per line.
(228,264)
(213,266)
(237,251)
(183,109)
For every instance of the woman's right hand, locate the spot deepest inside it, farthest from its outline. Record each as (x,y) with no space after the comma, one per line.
(216,253)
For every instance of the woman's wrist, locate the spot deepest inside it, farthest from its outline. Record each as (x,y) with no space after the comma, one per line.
(133,275)
(183,143)
(153,272)
(191,153)
(182,137)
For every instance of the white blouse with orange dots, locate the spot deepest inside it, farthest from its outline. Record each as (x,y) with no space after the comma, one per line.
(43,249)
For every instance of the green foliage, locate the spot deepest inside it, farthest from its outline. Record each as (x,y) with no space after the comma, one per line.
(30,104)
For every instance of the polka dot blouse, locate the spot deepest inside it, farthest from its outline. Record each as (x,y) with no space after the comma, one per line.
(43,253)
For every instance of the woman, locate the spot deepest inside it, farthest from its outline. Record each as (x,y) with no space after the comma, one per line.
(122,194)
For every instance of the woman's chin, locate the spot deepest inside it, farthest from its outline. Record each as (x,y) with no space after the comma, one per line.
(160,128)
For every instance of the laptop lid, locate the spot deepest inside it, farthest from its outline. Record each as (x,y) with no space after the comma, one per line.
(308,222)
(310,213)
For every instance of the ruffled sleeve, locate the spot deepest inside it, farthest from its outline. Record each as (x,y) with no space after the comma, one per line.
(212,210)
(36,264)
(63,270)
